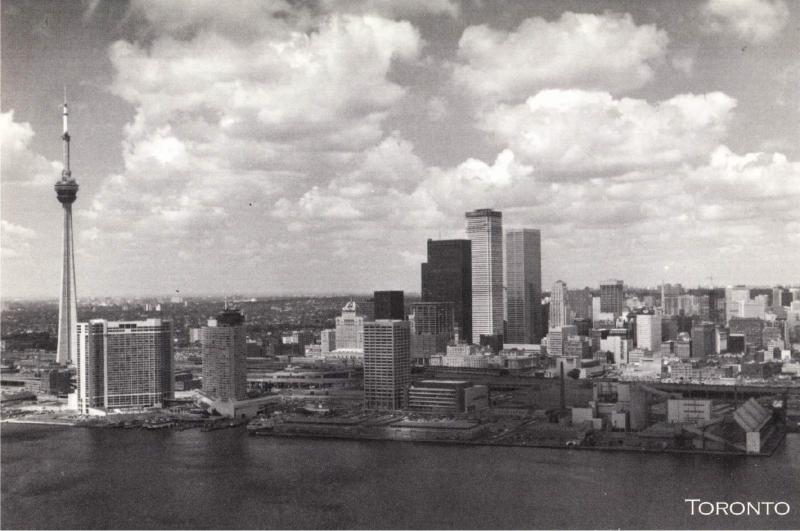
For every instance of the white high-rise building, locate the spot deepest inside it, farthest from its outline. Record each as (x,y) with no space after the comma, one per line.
(124,364)
(224,346)
(524,286)
(350,328)
(559,306)
(485,230)
(648,332)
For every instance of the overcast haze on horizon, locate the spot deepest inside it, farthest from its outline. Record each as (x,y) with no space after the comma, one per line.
(314,147)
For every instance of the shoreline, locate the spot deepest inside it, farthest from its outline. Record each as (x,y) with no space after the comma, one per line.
(774,443)
(42,422)
(629,449)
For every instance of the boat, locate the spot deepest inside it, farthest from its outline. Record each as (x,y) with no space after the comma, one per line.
(260,424)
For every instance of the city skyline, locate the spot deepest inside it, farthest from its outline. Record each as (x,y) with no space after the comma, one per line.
(201,193)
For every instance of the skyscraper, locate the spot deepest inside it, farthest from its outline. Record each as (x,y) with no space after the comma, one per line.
(612,297)
(703,340)
(580,303)
(124,365)
(648,331)
(485,230)
(559,309)
(431,326)
(350,328)
(524,285)
(447,277)
(387,364)
(389,305)
(225,357)
(67,192)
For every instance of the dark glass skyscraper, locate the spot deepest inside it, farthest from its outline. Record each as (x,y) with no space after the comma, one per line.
(612,297)
(524,285)
(447,277)
(389,305)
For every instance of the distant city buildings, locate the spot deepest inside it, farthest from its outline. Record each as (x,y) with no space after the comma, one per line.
(224,357)
(557,338)
(524,286)
(751,328)
(123,365)
(327,340)
(387,364)
(559,310)
(447,277)
(485,231)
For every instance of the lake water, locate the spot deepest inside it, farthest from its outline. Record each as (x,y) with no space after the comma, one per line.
(55,477)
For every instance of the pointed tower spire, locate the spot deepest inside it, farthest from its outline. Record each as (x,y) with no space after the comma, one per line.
(66,174)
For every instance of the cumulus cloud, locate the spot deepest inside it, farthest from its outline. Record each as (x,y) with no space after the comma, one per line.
(16,239)
(763,179)
(575,132)
(19,164)
(753,21)
(225,123)
(394,9)
(596,52)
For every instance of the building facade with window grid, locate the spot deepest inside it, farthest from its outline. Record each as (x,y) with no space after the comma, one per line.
(387,364)
(225,357)
(124,364)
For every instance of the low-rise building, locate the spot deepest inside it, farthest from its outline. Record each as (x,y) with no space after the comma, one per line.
(457,396)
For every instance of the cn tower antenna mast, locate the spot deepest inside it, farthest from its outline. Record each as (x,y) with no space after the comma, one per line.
(66,193)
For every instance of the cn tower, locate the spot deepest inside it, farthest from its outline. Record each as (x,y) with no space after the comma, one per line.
(67,192)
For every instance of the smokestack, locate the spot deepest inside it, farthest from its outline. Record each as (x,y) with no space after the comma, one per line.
(563,397)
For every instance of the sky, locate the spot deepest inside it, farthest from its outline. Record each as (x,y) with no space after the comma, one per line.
(276,147)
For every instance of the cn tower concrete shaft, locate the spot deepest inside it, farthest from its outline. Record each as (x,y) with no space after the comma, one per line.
(67,192)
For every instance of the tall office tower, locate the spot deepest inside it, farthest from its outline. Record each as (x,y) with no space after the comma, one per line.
(350,328)
(447,277)
(612,298)
(124,365)
(524,285)
(559,305)
(67,192)
(579,302)
(366,309)
(327,340)
(485,230)
(786,298)
(777,297)
(431,326)
(389,305)
(387,364)
(703,340)
(225,357)
(648,332)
